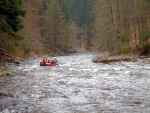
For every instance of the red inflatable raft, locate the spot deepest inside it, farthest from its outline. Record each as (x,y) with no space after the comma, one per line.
(48,64)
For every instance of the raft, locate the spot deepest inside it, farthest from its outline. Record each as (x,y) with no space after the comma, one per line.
(48,64)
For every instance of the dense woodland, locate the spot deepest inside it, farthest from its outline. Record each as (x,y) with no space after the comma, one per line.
(122,26)
(50,27)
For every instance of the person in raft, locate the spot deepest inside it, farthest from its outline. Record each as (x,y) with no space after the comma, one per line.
(45,60)
(53,60)
(48,60)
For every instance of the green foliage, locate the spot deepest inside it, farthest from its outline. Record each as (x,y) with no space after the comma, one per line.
(83,14)
(66,7)
(42,25)
(10,11)
(9,43)
(144,44)
(26,47)
(43,32)
(41,11)
(27,50)
(144,35)
(125,50)
(125,38)
(78,11)
(146,49)
(43,7)
(148,2)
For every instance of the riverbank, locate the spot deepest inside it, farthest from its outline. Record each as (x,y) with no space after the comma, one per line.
(109,59)
(4,71)
(5,61)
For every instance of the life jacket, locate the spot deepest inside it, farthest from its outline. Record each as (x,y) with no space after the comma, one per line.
(45,60)
(53,61)
(48,60)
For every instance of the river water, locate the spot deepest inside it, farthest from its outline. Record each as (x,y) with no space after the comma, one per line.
(77,86)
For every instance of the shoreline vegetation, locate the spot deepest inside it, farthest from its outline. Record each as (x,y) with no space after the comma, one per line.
(7,58)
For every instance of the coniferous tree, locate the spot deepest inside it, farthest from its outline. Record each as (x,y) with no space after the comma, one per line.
(10,11)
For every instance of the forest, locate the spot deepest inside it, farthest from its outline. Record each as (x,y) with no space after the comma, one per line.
(74,56)
(36,27)
(122,26)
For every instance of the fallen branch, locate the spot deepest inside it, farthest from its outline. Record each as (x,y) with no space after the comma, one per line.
(113,59)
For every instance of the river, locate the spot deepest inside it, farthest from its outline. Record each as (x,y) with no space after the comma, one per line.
(76,86)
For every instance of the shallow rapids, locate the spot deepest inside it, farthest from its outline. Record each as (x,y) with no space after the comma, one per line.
(77,85)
